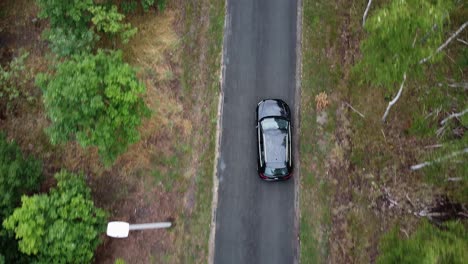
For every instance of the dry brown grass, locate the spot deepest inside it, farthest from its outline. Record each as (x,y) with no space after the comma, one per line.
(321,101)
(155,40)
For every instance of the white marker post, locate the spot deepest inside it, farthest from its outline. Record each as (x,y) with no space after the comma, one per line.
(119,229)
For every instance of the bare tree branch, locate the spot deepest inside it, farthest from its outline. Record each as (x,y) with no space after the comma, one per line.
(427,163)
(394,99)
(446,43)
(454,115)
(409,200)
(454,179)
(352,108)
(462,41)
(365,13)
(463,85)
(434,146)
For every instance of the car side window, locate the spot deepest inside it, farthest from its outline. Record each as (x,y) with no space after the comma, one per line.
(260,145)
(290,146)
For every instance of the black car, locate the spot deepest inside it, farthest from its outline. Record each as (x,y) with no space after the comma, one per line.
(273,119)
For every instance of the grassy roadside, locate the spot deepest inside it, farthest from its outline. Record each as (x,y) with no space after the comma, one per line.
(317,128)
(201,62)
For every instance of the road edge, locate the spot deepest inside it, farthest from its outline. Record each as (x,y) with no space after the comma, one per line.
(214,203)
(297,99)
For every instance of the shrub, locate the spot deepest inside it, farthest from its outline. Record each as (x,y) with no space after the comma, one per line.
(13,80)
(429,244)
(18,175)
(70,32)
(62,225)
(95,99)
(110,21)
(399,36)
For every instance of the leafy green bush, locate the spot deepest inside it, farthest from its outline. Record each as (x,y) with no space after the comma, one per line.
(95,99)
(13,79)
(69,31)
(399,36)
(147,4)
(73,24)
(130,6)
(18,175)
(109,20)
(65,42)
(62,225)
(429,244)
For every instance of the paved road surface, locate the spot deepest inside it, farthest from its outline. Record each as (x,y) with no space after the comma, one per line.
(254,219)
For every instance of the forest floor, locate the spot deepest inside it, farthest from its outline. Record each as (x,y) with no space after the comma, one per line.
(356,182)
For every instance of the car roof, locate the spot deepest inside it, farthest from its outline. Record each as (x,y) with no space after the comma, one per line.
(275,145)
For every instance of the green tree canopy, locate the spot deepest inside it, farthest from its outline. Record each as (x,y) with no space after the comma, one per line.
(429,244)
(95,99)
(69,31)
(62,225)
(110,21)
(18,175)
(74,24)
(399,36)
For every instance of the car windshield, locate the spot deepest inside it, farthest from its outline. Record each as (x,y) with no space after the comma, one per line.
(276,169)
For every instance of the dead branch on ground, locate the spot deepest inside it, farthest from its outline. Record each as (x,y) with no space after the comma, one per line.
(445,44)
(389,198)
(427,163)
(365,13)
(409,201)
(434,146)
(454,115)
(458,85)
(391,103)
(462,41)
(454,179)
(352,108)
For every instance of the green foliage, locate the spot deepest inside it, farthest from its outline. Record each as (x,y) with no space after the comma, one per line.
(94,99)
(110,21)
(162,5)
(65,42)
(13,80)
(70,32)
(62,225)
(429,244)
(399,36)
(18,175)
(129,7)
(119,261)
(146,4)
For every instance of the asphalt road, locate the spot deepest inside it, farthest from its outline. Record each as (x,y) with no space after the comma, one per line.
(254,219)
